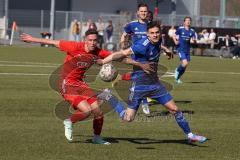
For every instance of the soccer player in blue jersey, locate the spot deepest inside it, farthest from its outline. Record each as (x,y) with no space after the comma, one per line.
(185,35)
(147,50)
(137,30)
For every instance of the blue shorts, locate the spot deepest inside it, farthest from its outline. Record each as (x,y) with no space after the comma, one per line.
(157,92)
(183,55)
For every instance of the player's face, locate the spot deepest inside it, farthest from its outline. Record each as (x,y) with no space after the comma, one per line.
(142,13)
(187,22)
(154,34)
(91,41)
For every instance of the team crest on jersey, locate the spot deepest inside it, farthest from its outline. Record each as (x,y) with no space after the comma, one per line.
(136,29)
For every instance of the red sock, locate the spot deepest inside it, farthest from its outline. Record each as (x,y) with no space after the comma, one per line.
(97,125)
(127,76)
(78,116)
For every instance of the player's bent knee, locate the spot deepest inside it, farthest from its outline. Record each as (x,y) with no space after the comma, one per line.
(172,107)
(185,63)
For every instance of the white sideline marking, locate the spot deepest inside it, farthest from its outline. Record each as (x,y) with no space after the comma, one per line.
(52,65)
(29,63)
(32,74)
(214,72)
(167,75)
(24,74)
(20,65)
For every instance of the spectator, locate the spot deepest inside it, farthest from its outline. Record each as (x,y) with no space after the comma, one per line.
(171,33)
(238,38)
(100,29)
(150,16)
(76,29)
(236,49)
(211,39)
(85,26)
(236,52)
(227,43)
(205,35)
(109,31)
(92,26)
(89,21)
(164,34)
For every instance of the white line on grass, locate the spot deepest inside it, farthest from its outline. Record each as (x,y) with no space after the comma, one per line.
(214,72)
(52,65)
(20,65)
(33,74)
(25,74)
(19,62)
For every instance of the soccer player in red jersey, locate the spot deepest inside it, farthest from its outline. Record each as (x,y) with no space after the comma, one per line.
(80,56)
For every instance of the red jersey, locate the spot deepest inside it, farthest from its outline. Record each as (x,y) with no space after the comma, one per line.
(77,60)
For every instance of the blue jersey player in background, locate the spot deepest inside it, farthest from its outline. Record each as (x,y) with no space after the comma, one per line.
(146,51)
(185,35)
(137,30)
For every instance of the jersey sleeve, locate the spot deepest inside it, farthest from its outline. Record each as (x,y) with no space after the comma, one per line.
(127,28)
(178,31)
(138,49)
(103,54)
(194,35)
(69,46)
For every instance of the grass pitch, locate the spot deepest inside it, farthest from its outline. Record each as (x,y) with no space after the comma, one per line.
(29,128)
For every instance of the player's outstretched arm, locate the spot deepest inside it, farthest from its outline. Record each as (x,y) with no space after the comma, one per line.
(29,39)
(175,39)
(115,56)
(146,67)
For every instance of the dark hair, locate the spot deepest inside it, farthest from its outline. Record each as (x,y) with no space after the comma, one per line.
(142,5)
(91,31)
(153,24)
(187,18)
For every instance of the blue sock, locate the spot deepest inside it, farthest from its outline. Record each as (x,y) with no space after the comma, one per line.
(144,101)
(117,105)
(180,70)
(182,122)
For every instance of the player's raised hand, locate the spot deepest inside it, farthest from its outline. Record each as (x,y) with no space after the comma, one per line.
(26,38)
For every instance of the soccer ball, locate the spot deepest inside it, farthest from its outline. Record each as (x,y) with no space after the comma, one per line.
(108,72)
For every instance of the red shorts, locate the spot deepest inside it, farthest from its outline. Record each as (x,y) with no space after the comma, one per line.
(77,92)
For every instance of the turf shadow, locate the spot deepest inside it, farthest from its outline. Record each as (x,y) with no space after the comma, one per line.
(183,102)
(198,82)
(142,141)
(163,113)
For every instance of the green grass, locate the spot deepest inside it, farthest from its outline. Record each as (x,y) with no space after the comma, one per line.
(29,128)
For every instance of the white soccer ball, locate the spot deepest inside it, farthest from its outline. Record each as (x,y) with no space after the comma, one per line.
(108,72)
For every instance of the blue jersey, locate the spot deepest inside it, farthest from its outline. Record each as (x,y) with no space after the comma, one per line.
(144,51)
(146,85)
(137,30)
(184,39)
